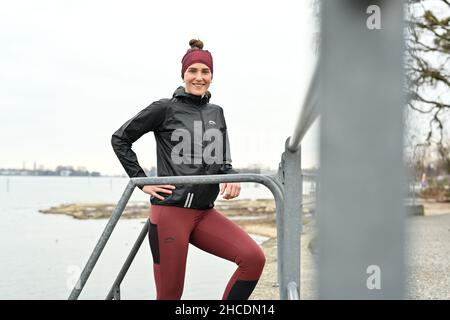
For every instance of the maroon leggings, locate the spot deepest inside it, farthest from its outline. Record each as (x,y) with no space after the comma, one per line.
(173,228)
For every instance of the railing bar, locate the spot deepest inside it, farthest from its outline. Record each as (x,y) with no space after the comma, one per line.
(102,242)
(207,179)
(116,293)
(128,261)
(271,182)
(277,181)
(307,115)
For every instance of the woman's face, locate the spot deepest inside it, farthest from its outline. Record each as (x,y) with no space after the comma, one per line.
(197,78)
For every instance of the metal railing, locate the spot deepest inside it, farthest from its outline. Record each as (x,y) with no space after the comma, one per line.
(286,187)
(308,114)
(286,228)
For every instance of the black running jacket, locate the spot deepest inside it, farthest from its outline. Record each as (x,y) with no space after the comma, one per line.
(188,130)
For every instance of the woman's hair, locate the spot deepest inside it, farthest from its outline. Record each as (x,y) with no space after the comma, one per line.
(196,54)
(196,44)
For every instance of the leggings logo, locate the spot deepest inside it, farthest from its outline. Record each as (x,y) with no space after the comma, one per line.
(212,152)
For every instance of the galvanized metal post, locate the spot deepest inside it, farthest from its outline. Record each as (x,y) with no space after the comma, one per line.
(116,293)
(280,225)
(102,242)
(293,291)
(123,271)
(291,223)
(362,176)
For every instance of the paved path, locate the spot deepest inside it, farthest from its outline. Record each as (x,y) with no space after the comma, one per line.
(429,257)
(428,264)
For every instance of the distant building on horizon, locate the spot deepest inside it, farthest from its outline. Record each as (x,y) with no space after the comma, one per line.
(61,171)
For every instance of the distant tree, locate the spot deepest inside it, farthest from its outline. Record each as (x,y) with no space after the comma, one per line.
(428,69)
(427,62)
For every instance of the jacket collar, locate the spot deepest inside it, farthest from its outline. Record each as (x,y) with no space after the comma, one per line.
(180,93)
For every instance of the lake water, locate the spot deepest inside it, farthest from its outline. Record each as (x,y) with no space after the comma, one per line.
(42,254)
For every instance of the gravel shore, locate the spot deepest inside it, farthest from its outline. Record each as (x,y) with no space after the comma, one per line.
(428,245)
(428,249)
(428,264)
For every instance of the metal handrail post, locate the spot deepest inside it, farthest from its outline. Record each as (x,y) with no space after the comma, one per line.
(292,219)
(123,271)
(102,241)
(360,212)
(279,224)
(292,291)
(116,293)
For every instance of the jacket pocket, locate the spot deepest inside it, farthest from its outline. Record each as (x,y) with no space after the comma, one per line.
(177,194)
(205,195)
(182,196)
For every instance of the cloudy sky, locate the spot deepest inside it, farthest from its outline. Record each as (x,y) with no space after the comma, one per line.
(72,72)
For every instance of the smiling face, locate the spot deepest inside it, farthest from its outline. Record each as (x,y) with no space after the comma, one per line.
(197,78)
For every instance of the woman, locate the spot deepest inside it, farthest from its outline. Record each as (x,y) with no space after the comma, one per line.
(191,137)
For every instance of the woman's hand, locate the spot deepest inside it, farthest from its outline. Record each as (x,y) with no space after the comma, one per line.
(152,190)
(232,190)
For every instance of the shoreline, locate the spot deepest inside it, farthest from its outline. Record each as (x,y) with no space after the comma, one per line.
(256,216)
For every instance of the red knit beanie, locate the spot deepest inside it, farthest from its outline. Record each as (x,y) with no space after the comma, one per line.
(196,54)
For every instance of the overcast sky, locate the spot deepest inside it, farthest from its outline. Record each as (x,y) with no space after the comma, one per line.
(72,72)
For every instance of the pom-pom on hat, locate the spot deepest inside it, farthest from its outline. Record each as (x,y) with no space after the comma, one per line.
(196,54)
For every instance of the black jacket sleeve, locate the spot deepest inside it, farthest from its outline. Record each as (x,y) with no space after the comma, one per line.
(149,119)
(226,168)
